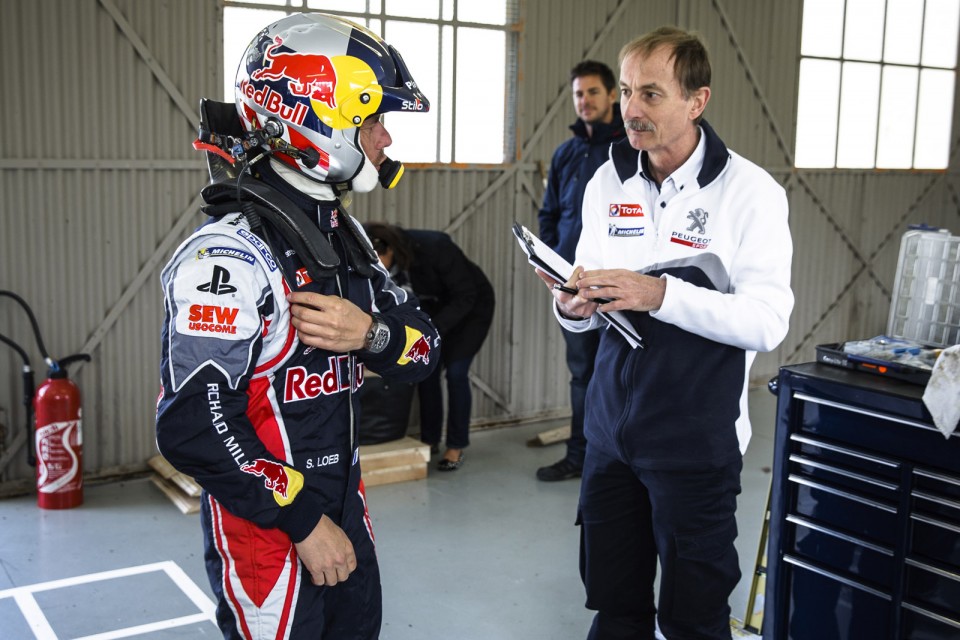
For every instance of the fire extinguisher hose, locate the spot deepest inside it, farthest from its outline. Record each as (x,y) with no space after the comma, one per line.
(28,391)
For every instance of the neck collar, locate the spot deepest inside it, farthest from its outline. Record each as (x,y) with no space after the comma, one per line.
(627,161)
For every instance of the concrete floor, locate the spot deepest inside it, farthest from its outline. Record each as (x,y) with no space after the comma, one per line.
(484,553)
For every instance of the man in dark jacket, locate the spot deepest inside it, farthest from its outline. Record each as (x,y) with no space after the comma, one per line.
(574,162)
(460,300)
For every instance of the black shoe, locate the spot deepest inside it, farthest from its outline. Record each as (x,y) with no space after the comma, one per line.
(450,465)
(563,470)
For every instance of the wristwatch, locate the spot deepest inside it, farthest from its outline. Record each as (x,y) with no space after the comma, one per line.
(378,336)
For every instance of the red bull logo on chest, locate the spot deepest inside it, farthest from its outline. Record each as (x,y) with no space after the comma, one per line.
(307,74)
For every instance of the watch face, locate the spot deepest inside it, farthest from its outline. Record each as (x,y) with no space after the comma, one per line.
(378,336)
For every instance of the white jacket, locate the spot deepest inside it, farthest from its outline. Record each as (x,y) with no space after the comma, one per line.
(723,245)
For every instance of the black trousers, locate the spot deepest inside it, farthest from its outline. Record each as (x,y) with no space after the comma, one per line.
(632,517)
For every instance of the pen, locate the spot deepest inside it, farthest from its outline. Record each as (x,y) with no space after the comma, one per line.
(559,287)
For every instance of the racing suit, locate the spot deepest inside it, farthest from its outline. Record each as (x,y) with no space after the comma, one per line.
(669,422)
(267,425)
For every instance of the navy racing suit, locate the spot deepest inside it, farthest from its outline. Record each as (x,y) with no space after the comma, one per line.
(268,426)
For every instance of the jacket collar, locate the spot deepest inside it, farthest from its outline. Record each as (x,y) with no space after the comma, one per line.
(602,131)
(626,159)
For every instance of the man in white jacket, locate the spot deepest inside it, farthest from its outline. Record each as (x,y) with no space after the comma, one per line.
(691,242)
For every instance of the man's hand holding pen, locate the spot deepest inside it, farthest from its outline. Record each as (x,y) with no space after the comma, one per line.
(606,290)
(572,305)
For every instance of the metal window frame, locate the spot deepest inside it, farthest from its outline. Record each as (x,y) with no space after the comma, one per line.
(920,67)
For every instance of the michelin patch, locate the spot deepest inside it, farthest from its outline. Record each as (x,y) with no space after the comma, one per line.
(615,231)
(225,252)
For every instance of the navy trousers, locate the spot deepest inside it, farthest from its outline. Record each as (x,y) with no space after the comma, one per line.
(459,403)
(632,517)
(581,352)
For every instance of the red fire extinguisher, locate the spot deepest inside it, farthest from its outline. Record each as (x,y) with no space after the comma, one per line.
(59,439)
(57,451)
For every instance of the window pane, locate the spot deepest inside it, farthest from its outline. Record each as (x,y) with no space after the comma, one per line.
(933,119)
(817,113)
(481,64)
(863,30)
(822,28)
(940,33)
(446,97)
(413,8)
(239,28)
(904,20)
(898,105)
(859,102)
(447,9)
(334,6)
(415,135)
(487,12)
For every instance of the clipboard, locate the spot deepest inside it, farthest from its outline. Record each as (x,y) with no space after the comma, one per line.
(555,266)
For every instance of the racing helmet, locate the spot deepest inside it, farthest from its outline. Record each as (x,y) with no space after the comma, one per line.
(321,76)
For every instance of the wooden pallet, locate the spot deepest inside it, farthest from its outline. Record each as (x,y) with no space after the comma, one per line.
(552,436)
(182,490)
(396,461)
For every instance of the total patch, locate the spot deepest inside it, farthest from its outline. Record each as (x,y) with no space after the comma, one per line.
(626,211)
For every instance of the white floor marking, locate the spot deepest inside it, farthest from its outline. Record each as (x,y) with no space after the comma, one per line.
(148,628)
(42,630)
(34,616)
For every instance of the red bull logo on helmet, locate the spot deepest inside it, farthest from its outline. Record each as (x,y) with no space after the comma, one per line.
(417,348)
(307,74)
(284,482)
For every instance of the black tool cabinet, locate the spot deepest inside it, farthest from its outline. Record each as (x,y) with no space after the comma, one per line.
(864,531)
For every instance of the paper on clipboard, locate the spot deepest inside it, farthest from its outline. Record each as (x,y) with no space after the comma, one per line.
(550,262)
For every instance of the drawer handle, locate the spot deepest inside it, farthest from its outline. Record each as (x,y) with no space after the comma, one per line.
(843,494)
(841,472)
(926,567)
(866,412)
(829,574)
(933,475)
(803,522)
(935,522)
(950,622)
(850,452)
(943,502)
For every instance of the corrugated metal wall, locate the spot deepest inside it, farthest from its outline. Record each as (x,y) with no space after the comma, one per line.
(97,183)
(98,180)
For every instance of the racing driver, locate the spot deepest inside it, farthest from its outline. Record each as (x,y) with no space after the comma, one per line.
(273,309)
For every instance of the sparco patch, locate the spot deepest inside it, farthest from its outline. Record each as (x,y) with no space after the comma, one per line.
(261,247)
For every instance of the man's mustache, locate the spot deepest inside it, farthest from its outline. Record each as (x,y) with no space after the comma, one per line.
(636,124)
